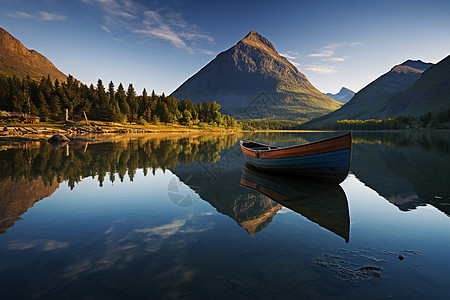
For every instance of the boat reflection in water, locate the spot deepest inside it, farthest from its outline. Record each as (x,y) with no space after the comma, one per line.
(322,203)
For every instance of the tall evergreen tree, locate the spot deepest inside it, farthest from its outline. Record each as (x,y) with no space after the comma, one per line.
(111,93)
(121,99)
(131,100)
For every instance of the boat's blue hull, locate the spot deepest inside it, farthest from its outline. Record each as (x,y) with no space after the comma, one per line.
(327,159)
(331,165)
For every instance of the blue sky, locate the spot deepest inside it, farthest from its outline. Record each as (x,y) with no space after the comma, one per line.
(159,44)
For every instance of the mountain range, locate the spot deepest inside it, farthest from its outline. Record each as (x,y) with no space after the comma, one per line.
(16,59)
(390,95)
(252,81)
(343,96)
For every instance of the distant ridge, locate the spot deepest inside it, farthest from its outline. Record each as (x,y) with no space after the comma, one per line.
(372,101)
(252,81)
(17,60)
(430,93)
(343,96)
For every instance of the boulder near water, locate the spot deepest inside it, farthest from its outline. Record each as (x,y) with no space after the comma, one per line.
(58,139)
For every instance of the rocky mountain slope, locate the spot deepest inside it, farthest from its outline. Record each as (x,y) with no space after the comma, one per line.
(252,81)
(17,60)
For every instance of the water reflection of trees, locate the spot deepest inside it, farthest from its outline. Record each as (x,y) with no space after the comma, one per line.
(429,141)
(119,158)
(408,169)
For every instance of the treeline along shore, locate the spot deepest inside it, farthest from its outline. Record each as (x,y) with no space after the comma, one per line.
(49,99)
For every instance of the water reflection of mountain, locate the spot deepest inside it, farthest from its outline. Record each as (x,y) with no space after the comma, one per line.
(409,169)
(18,196)
(322,203)
(218,184)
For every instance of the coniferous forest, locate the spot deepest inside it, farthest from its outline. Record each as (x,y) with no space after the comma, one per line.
(48,99)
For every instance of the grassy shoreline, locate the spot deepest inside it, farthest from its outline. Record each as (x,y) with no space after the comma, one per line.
(16,131)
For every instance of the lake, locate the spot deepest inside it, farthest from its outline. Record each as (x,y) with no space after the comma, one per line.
(178,216)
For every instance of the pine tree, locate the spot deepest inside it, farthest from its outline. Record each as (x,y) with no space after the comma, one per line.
(43,107)
(131,100)
(111,93)
(122,101)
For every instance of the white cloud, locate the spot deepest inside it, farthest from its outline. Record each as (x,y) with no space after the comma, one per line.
(323,53)
(322,69)
(336,58)
(39,16)
(356,44)
(156,24)
(296,64)
(332,46)
(21,15)
(204,51)
(197,36)
(290,54)
(163,33)
(327,54)
(105,28)
(46,16)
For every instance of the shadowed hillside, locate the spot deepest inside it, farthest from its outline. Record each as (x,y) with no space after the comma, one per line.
(371,101)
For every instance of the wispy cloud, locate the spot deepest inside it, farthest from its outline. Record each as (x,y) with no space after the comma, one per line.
(105,28)
(296,64)
(328,54)
(152,23)
(336,58)
(322,69)
(204,51)
(290,54)
(46,16)
(21,15)
(39,16)
(326,51)
(323,53)
(356,44)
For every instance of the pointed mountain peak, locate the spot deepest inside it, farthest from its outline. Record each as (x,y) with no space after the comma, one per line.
(257,40)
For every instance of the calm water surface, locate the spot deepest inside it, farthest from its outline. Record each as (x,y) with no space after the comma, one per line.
(178,216)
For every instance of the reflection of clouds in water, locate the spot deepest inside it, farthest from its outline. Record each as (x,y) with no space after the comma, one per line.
(39,244)
(120,248)
(209,213)
(109,230)
(166,230)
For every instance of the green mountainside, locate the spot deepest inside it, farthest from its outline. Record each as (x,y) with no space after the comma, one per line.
(372,101)
(252,81)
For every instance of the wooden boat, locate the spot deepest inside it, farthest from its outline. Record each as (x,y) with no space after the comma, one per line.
(327,159)
(321,202)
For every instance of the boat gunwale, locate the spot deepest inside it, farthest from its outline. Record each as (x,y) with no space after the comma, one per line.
(275,148)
